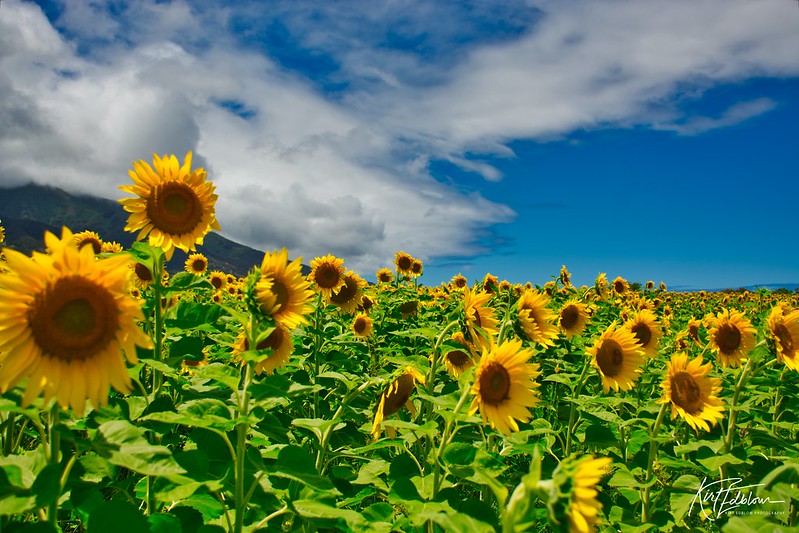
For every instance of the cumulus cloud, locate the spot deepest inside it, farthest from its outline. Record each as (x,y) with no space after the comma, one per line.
(318,121)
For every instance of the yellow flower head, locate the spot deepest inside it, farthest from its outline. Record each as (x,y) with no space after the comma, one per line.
(89,238)
(577,479)
(196,264)
(618,357)
(350,295)
(327,274)
(362,325)
(732,337)
(504,386)
(783,326)
(279,344)
(396,395)
(573,318)
(644,325)
(384,275)
(481,322)
(693,395)
(536,319)
(404,263)
(68,324)
(282,291)
(174,205)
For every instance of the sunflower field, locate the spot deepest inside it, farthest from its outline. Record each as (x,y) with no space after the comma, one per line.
(134,400)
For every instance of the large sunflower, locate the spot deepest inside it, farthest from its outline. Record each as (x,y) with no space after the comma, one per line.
(783,326)
(536,319)
(327,274)
(572,318)
(396,395)
(693,395)
(278,342)
(404,263)
(174,204)
(504,385)
(644,325)
(481,322)
(282,291)
(350,295)
(68,324)
(618,357)
(732,337)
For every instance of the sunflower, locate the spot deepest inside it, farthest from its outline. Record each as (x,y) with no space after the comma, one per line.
(490,283)
(620,285)
(111,247)
(89,238)
(573,318)
(536,319)
(196,264)
(783,326)
(650,285)
(504,385)
(384,275)
(282,291)
(459,281)
(362,325)
(732,337)
(565,277)
(693,395)
(217,297)
(140,275)
(618,357)
(693,329)
(278,342)
(367,303)
(327,274)
(349,296)
(408,308)
(218,279)
(460,359)
(417,268)
(68,324)
(601,285)
(644,325)
(396,395)
(174,204)
(481,322)
(577,479)
(2,234)
(404,263)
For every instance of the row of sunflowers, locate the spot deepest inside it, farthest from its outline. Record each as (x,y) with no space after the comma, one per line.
(198,401)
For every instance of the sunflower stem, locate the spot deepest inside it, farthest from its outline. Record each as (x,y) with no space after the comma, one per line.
(158,376)
(54,440)
(650,463)
(573,408)
(242,428)
(445,438)
(734,403)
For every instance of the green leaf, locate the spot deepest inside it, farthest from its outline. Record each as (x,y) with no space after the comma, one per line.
(713,462)
(318,425)
(203,413)
(316,511)
(118,516)
(370,473)
(600,436)
(228,376)
(183,281)
(163,523)
(187,348)
(124,445)
(474,464)
(295,463)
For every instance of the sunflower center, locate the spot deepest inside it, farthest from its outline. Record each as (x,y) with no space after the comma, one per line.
(476,318)
(457,358)
(281,293)
(404,263)
(569,316)
(685,392)
(174,208)
(73,319)
(345,293)
(494,384)
(143,273)
(693,331)
(784,338)
(360,325)
(642,333)
(198,265)
(728,338)
(397,394)
(610,358)
(327,276)
(272,342)
(216,281)
(618,286)
(96,245)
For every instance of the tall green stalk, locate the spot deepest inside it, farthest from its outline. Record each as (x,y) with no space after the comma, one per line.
(578,389)
(650,463)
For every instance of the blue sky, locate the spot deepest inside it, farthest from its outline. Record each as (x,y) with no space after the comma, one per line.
(649,139)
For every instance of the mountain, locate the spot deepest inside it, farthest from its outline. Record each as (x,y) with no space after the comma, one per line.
(28,211)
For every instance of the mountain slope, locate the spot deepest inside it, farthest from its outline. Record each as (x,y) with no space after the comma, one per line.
(28,211)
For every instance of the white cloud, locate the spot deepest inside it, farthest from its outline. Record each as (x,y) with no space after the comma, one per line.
(347,172)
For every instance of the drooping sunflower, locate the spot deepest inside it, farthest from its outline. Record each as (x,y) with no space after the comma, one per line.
(417,268)
(459,281)
(481,322)
(278,342)
(396,395)
(650,285)
(174,205)
(327,274)
(565,277)
(783,326)
(282,291)
(618,357)
(404,263)
(693,395)
(536,319)
(732,337)
(461,359)
(577,479)
(505,386)
(620,285)
(490,283)
(68,324)
(601,285)
(111,247)
(573,318)
(218,279)
(644,325)
(693,329)
(349,296)
(140,275)
(89,238)
(362,325)
(384,275)
(196,264)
